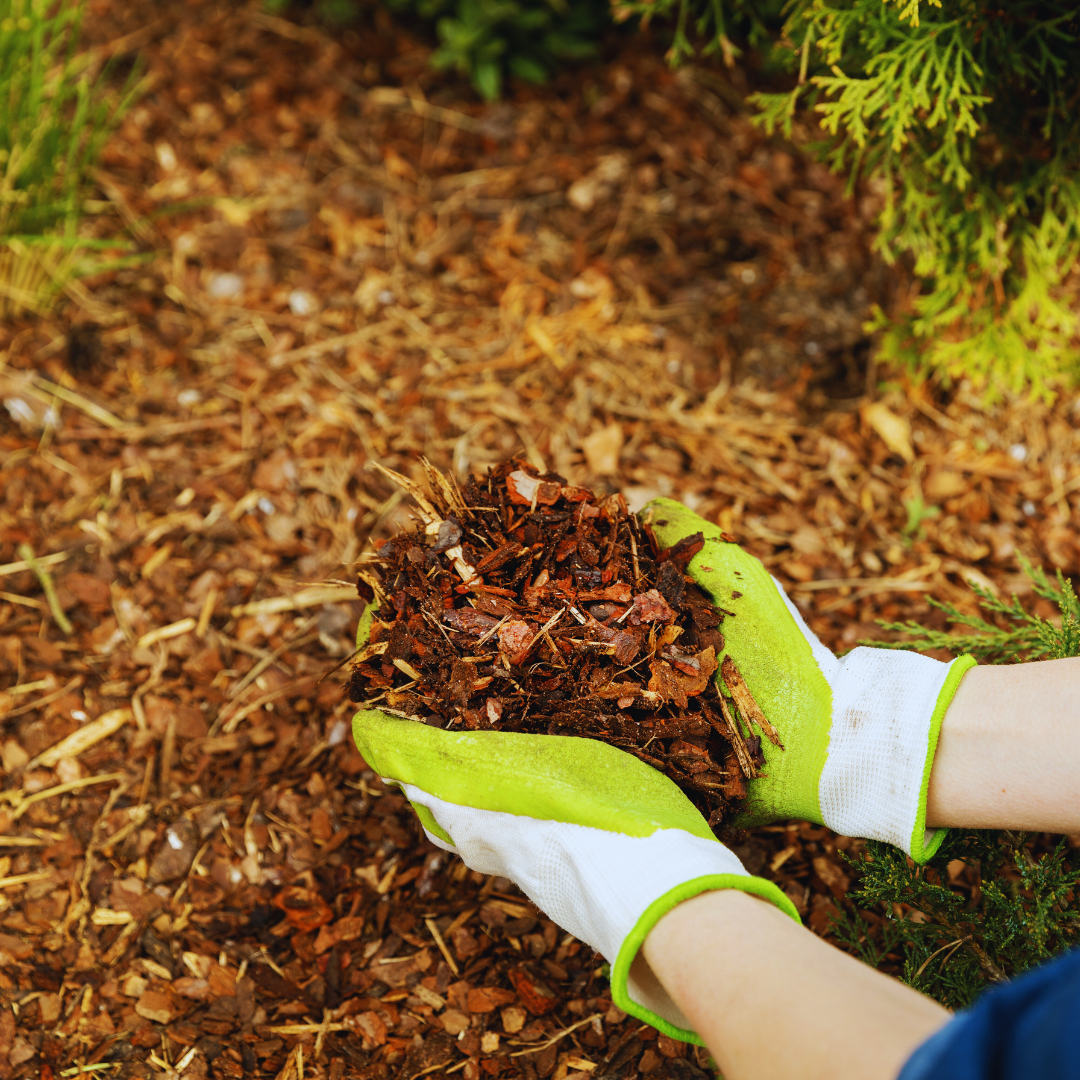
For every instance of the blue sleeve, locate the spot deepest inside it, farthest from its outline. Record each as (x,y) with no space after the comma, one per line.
(1023,1029)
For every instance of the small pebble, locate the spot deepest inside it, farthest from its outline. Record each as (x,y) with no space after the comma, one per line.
(302,303)
(226,286)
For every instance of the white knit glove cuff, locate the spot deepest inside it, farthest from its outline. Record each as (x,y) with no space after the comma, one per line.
(887,711)
(882,744)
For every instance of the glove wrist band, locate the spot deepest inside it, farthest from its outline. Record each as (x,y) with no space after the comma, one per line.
(887,714)
(663,1014)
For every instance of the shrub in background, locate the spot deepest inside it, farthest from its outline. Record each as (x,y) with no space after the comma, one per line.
(962,113)
(53,124)
(488,39)
(952,945)
(1023,907)
(965,114)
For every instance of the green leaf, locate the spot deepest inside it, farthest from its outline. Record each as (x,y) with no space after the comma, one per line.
(525,67)
(487,78)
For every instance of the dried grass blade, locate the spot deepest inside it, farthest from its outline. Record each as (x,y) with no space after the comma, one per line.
(41,702)
(430,513)
(47,587)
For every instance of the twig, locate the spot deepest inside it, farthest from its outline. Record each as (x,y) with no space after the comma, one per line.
(434,931)
(24,879)
(166,633)
(102,416)
(953,945)
(234,720)
(25,803)
(79,741)
(47,587)
(431,1069)
(48,699)
(305,598)
(25,601)
(209,602)
(491,631)
(748,707)
(154,678)
(733,736)
(45,560)
(556,1037)
(168,747)
(394,98)
(296,641)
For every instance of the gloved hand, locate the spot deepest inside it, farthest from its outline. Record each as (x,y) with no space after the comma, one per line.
(601,842)
(859,733)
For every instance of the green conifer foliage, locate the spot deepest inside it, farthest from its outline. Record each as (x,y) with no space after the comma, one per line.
(490,39)
(965,113)
(952,945)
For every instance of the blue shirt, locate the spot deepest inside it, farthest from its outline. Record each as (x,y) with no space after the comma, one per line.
(1027,1028)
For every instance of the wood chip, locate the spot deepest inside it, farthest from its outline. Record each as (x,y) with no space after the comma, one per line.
(733,680)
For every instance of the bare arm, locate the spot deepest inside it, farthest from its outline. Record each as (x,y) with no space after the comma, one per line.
(1009,752)
(774,1002)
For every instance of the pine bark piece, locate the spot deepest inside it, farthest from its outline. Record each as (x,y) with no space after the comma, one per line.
(735,683)
(730,731)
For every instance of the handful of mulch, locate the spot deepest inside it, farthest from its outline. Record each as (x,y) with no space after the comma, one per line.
(520,603)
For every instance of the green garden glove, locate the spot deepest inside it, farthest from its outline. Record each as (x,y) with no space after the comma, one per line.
(600,841)
(859,733)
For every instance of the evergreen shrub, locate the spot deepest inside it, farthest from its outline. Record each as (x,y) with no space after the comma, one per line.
(489,39)
(961,113)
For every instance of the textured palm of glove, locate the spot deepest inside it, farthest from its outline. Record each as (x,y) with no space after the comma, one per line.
(600,841)
(859,733)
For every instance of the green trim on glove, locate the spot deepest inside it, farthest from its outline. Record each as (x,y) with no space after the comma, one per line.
(550,778)
(774,658)
(620,970)
(427,819)
(363,628)
(921,850)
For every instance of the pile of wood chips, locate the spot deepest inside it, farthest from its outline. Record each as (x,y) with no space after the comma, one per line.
(523,603)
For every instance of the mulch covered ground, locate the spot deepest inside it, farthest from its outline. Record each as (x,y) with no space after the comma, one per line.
(346,260)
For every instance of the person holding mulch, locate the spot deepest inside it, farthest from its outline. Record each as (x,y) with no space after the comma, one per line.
(880,744)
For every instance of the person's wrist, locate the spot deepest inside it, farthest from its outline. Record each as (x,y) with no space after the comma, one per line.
(724,908)
(710,922)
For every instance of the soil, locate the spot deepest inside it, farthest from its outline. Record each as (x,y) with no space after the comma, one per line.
(338,258)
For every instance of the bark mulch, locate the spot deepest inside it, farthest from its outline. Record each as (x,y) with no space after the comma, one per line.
(347,261)
(470,630)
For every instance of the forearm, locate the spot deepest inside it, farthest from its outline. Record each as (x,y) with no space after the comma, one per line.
(1008,756)
(774,1002)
